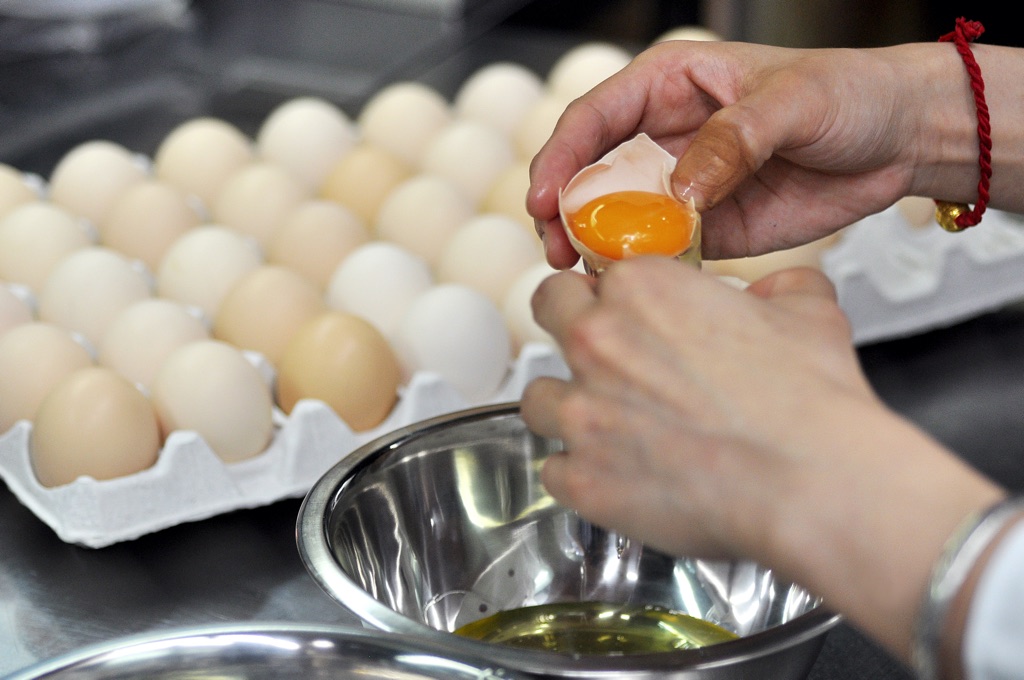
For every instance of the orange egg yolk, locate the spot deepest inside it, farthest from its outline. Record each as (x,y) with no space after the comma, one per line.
(626,223)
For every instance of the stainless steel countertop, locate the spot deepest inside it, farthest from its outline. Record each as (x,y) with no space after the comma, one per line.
(964,384)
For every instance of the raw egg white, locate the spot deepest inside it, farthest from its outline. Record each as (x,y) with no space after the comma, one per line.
(263,310)
(200,267)
(200,154)
(488,252)
(146,219)
(96,424)
(403,118)
(498,94)
(33,358)
(315,237)
(256,198)
(88,288)
(345,362)
(144,334)
(457,333)
(92,176)
(378,281)
(15,307)
(306,136)
(209,387)
(470,154)
(15,190)
(422,213)
(581,68)
(363,178)
(34,237)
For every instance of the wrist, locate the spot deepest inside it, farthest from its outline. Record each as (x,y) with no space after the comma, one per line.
(941,121)
(944,611)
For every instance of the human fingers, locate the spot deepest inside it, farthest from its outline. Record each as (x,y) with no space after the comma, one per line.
(559,301)
(538,406)
(794,281)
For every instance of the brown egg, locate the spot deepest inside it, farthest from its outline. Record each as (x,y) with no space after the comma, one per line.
(363,178)
(146,219)
(265,308)
(315,238)
(344,361)
(93,423)
(34,357)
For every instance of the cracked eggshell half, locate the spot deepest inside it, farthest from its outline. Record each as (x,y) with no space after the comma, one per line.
(638,164)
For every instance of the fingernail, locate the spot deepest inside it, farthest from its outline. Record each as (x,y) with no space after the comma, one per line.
(539,228)
(689,193)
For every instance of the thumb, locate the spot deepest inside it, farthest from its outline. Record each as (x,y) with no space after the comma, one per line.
(717,161)
(802,281)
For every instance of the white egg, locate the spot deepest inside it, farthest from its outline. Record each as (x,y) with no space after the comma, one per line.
(256,198)
(92,176)
(498,94)
(144,334)
(507,195)
(306,136)
(200,154)
(209,387)
(34,237)
(459,334)
(378,281)
(315,237)
(88,288)
(147,219)
(581,68)
(471,154)
(688,32)
(15,189)
(403,118)
(517,307)
(488,252)
(536,125)
(15,307)
(422,213)
(363,178)
(33,358)
(200,267)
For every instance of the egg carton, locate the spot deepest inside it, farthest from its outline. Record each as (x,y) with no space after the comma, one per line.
(189,482)
(895,279)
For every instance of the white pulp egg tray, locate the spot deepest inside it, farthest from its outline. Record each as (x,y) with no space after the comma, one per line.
(893,279)
(189,482)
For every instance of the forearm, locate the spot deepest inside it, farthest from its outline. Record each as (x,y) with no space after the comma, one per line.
(869,546)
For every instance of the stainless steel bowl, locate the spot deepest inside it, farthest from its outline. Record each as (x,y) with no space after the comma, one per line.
(446,521)
(267,652)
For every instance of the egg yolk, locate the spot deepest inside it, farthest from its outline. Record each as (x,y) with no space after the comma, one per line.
(626,223)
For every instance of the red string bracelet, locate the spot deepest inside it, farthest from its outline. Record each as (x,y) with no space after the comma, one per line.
(957,216)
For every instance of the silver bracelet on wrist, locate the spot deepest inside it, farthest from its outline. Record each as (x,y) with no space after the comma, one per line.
(948,576)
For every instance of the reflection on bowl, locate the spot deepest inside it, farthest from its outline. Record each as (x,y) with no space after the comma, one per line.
(272,651)
(445,522)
